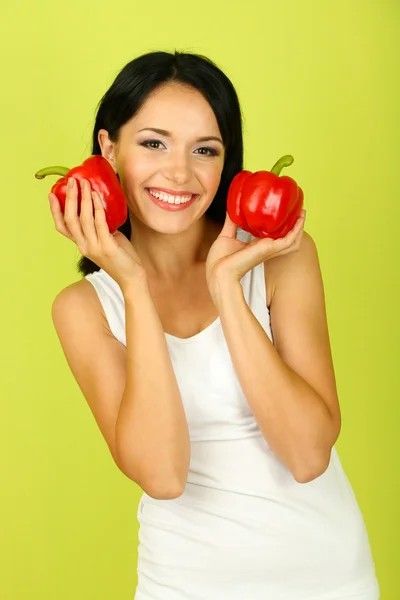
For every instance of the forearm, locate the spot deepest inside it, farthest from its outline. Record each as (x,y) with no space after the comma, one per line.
(152,434)
(292,416)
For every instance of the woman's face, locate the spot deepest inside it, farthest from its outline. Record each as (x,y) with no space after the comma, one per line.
(182,160)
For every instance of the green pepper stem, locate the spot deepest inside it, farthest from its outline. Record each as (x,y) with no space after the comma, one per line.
(285,161)
(51,171)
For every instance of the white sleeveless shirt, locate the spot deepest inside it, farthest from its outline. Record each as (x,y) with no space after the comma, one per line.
(243,529)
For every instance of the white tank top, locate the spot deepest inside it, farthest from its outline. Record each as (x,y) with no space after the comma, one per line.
(243,529)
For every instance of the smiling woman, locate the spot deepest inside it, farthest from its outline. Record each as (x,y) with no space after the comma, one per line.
(183,173)
(204,356)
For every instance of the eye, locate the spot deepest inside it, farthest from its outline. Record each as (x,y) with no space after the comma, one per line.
(203,151)
(147,143)
(209,151)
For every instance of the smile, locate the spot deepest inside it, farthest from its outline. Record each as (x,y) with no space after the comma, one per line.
(170,201)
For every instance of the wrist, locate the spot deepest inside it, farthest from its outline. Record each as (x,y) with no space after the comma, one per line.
(226,289)
(134,287)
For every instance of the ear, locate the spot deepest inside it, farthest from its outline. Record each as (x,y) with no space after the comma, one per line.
(107,147)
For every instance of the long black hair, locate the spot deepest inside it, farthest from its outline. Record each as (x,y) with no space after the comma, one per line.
(144,74)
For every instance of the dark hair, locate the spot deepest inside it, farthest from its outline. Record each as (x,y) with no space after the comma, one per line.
(142,76)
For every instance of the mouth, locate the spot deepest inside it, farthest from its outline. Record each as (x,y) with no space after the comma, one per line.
(171,202)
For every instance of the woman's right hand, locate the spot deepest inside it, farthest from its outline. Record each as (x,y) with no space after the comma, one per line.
(113,253)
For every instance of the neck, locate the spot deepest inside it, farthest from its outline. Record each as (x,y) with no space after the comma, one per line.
(170,257)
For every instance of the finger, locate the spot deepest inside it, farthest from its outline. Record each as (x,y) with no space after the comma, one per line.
(271,247)
(297,242)
(100,220)
(294,246)
(263,247)
(291,237)
(290,249)
(300,230)
(58,217)
(71,213)
(86,216)
(229,228)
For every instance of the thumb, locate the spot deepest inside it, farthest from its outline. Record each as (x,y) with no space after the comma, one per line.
(229,228)
(121,239)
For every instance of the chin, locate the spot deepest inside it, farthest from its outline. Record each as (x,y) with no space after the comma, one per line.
(171,229)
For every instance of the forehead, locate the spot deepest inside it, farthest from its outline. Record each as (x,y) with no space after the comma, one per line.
(177,107)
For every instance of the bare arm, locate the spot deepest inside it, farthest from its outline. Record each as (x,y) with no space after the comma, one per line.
(290,385)
(151,412)
(132,392)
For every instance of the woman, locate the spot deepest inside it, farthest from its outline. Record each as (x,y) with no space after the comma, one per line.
(204,356)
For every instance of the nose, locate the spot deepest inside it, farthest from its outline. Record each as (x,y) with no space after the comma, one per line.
(177,168)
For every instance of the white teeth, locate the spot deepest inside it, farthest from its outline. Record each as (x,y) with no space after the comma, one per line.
(169,198)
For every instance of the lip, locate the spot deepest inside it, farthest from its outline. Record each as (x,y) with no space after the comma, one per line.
(172,192)
(171,207)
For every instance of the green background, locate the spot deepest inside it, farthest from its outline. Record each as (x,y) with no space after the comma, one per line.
(319,80)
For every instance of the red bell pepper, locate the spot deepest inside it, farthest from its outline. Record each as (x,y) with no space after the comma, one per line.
(263,203)
(103,180)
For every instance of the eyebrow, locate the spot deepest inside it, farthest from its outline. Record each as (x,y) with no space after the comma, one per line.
(207,138)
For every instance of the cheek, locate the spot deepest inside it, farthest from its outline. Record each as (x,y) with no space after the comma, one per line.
(135,172)
(212,177)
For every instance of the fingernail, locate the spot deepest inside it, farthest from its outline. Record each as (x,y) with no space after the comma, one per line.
(70,183)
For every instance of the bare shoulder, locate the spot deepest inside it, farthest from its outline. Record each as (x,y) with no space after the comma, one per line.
(81,297)
(78,289)
(305,259)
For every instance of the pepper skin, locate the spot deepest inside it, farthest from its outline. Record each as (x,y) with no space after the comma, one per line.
(263,203)
(103,180)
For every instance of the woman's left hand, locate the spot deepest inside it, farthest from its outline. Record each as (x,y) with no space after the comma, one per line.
(230,258)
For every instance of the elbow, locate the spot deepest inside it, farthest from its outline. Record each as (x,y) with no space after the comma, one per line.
(166,490)
(312,469)
(163,491)
(164,494)
(159,490)
(316,463)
